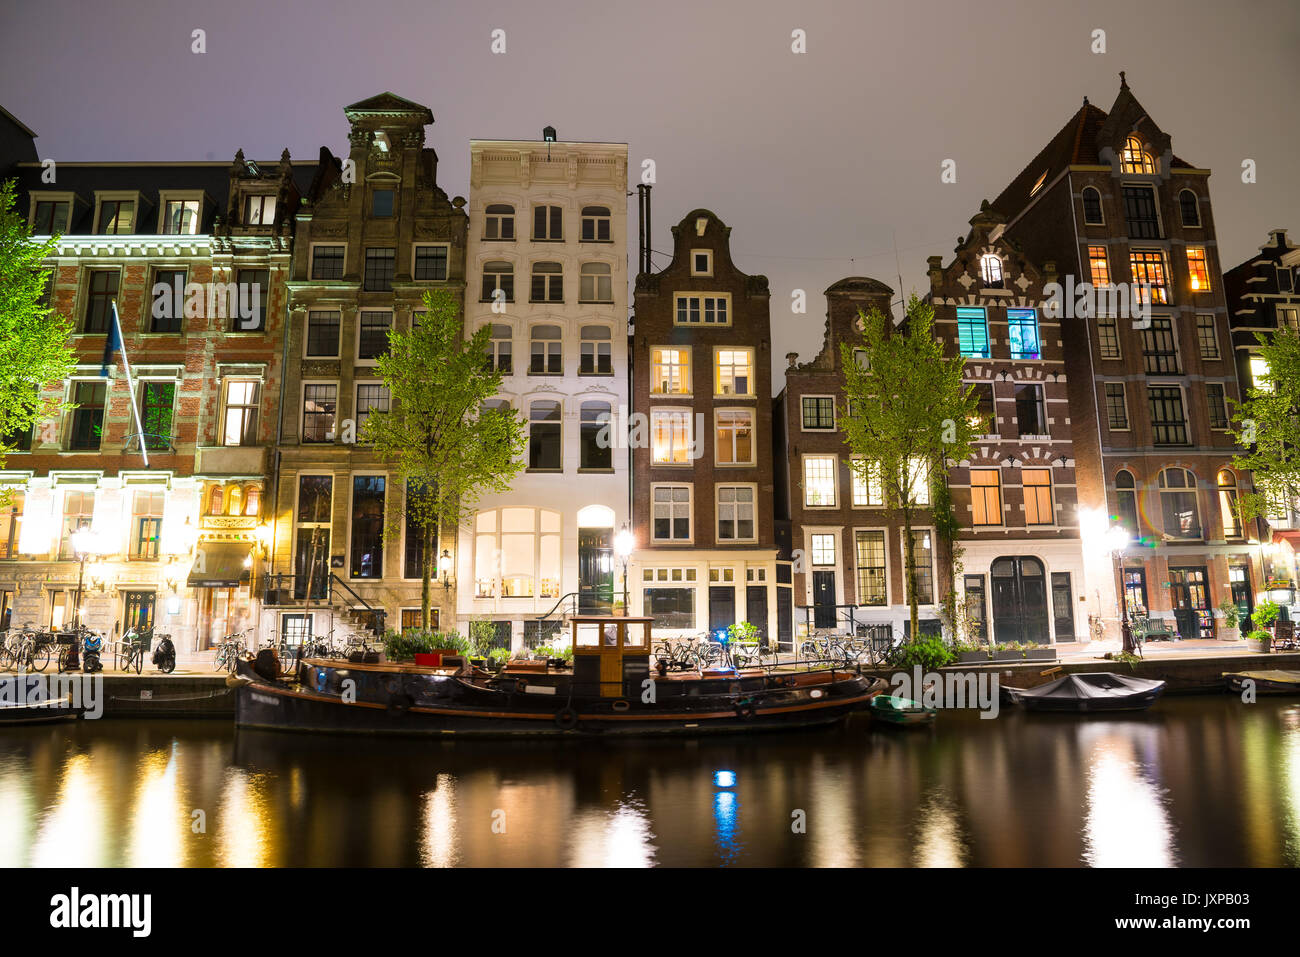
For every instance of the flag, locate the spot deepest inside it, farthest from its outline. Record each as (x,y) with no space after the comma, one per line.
(111,347)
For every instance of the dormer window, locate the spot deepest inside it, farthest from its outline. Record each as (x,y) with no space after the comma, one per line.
(1136,159)
(259,210)
(181,214)
(991,271)
(50,216)
(116,217)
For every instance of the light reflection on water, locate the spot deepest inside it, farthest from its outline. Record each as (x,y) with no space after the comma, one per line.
(1196,782)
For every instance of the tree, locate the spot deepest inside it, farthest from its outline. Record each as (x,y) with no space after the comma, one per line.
(1267,426)
(442,439)
(35,344)
(906,415)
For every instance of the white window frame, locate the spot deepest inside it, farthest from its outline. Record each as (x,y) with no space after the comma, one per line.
(753,437)
(225,408)
(702,296)
(707,272)
(884,539)
(812,549)
(306,332)
(356,338)
(415,249)
(803,479)
(690,512)
(717,490)
(670,410)
(383,543)
(752,382)
(685,368)
(302,412)
(834,413)
(1083,211)
(902,557)
(357,385)
(311,259)
(166,196)
(855,483)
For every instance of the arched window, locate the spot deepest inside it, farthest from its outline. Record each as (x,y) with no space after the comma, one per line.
(595,224)
(1180,515)
(499,222)
(596,284)
(546,347)
(991,270)
(236,506)
(595,358)
(548,283)
(216,501)
(596,453)
(1136,159)
(1189,206)
(252,500)
(498,275)
(1229,512)
(1092,215)
(500,349)
(1126,497)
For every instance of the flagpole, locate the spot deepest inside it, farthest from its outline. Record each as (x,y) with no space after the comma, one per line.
(135,407)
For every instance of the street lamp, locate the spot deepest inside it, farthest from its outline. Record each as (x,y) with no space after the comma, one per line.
(624,543)
(1116,540)
(82,541)
(444,566)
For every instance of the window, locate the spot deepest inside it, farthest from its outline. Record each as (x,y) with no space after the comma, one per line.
(372,334)
(596,284)
(671,607)
(823,549)
(1092,207)
(1098,266)
(1159,350)
(322,334)
(595,358)
(1189,208)
(819,481)
(100,294)
(544,435)
(367,526)
(1031,411)
(381,203)
(1288,318)
(431,263)
(1037,486)
(257,284)
(416,533)
(1229,512)
(868,484)
(1217,399)
(670,371)
(986,416)
(1148,268)
(371,397)
(499,222)
(1116,407)
(241,413)
(327,262)
(735,513)
(735,437)
(1022,330)
(1259,378)
(146,524)
(1108,337)
(498,277)
(701,262)
(1126,497)
(78,512)
(168,311)
(11,524)
(181,217)
(922,567)
(547,351)
(312,552)
(380,264)
(1178,504)
(672,513)
(548,283)
(670,436)
(972,332)
(1285,281)
(735,372)
(319,404)
(157,402)
(709,310)
(523,546)
(50,217)
(1207,336)
(88,416)
(1168,424)
(596,453)
(1198,269)
(986,497)
(818,412)
(116,217)
(870,553)
(991,270)
(918,482)
(500,349)
(595,224)
(548,223)
(259,210)
(1135,159)
(1140,212)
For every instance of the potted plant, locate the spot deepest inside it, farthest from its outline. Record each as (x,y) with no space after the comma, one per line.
(1264,615)
(969,653)
(618,609)
(497,658)
(1231,615)
(482,637)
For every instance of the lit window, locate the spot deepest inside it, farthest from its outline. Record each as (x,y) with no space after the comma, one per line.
(1259,374)
(918,482)
(1148,268)
(1135,158)
(1022,330)
(1178,504)
(735,372)
(259,210)
(1229,511)
(819,481)
(241,413)
(735,437)
(991,270)
(1098,265)
(670,442)
(319,404)
(670,371)
(146,524)
(868,485)
(972,332)
(1198,268)
(823,549)
(986,497)
(1037,485)
(871,566)
(181,217)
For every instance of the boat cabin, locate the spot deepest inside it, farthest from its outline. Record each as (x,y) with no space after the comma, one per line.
(612,652)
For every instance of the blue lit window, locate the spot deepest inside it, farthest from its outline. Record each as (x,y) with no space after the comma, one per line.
(1022,328)
(972,332)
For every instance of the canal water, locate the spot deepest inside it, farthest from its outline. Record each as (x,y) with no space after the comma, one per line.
(1204,781)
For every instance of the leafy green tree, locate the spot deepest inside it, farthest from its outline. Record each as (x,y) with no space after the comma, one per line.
(906,414)
(35,344)
(441,438)
(1267,426)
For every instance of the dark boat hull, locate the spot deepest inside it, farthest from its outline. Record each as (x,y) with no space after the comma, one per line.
(1265,682)
(426,705)
(43,713)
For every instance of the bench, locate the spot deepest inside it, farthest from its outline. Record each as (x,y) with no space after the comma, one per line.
(1157,630)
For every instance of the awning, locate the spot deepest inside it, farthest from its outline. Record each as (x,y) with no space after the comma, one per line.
(219,565)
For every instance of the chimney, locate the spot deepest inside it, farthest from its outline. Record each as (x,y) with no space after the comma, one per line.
(548,134)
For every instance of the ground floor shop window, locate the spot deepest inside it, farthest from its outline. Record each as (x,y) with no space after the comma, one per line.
(671,607)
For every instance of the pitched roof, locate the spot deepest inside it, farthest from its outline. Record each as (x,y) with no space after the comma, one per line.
(388,104)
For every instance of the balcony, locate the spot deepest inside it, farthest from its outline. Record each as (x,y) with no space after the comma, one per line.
(232,460)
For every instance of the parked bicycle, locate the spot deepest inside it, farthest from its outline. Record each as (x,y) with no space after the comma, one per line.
(229,651)
(128,653)
(30,652)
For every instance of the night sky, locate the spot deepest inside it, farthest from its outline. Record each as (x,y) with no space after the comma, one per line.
(820,162)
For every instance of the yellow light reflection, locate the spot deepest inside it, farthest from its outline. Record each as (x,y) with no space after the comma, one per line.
(620,839)
(16,821)
(241,837)
(1126,823)
(939,840)
(74,832)
(438,840)
(156,821)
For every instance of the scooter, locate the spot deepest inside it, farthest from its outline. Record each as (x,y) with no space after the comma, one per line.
(164,654)
(91,646)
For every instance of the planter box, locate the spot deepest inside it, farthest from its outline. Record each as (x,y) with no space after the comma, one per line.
(430,659)
(1033,654)
(973,657)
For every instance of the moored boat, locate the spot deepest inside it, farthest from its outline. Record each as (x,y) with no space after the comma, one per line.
(1091,692)
(898,712)
(40,712)
(1274,681)
(610,690)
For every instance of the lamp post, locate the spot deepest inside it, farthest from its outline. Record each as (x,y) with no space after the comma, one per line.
(1117,539)
(82,541)
(624,543)
(444,566)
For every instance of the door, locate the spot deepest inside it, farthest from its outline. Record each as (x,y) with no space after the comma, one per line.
(138,607)
(785,617)
(722,607)
(1063,606)
(1019,600)
(1189,595)
(756,609)
(1239,579)
(975,606)
(823,599)
(595,570)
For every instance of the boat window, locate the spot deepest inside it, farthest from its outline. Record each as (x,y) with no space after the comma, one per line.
(611,635)
(588,635)
(634,637)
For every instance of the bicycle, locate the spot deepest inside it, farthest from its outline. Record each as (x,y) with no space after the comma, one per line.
(229,651)
(31,654)
(129,652)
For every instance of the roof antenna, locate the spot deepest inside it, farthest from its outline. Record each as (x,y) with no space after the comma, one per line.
(898,263)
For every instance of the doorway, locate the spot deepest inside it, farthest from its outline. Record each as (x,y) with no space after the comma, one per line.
(1063,606)
(823,599)
(138,607)
(595,571)
(1239,581)
(1019,600)
(722,607)
(1189,593)
(756,608)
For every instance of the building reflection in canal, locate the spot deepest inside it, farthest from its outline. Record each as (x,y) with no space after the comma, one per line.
(1196,782)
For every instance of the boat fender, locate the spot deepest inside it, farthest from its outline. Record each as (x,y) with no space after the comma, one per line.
(566,719)
(745,709)
(322,679)
(521,685)
(622,704)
